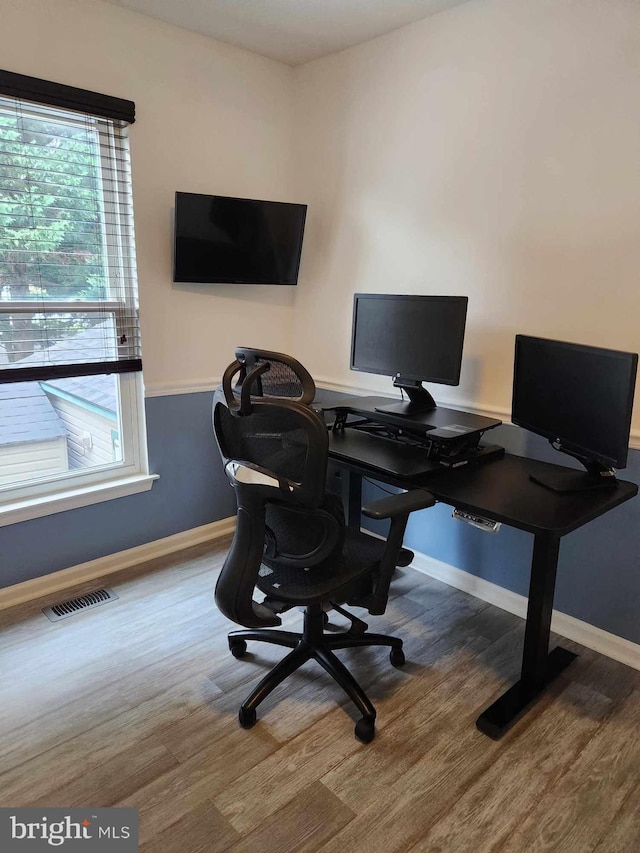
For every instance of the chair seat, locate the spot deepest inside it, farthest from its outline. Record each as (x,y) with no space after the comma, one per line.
(360,556)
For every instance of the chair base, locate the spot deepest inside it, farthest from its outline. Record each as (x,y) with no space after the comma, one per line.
(314,644)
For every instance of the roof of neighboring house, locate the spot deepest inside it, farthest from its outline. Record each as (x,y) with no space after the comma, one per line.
(26,415)
(97,390)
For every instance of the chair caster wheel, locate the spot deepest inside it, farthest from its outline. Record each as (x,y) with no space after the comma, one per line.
(325,619)
(238,648)
(397,658)
(365,730)
(247,718)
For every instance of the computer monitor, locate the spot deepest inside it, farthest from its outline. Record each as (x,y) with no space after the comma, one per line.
(413,339)
(581,399)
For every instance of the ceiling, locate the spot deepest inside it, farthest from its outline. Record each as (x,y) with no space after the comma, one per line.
(291,31)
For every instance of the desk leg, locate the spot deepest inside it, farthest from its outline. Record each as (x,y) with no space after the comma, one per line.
(354,509)
(539,666)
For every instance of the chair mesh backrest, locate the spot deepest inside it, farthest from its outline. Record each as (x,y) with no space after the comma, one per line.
(303,526)
(271,437)
(310,537)
(282,512)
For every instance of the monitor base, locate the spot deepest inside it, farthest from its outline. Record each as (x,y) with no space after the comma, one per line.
(573,481)
(405,410)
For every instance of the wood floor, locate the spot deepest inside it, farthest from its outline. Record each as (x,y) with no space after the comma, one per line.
(135,704)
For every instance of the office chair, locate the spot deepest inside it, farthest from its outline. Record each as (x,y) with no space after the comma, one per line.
(291,542)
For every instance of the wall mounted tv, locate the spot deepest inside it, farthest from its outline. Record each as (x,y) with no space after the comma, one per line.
(223,240)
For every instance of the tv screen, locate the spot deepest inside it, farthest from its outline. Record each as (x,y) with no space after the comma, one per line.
(579,397)
(220,240)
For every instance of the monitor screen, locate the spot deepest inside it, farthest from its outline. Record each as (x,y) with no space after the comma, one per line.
(416,337)
(237,240)
(578,396)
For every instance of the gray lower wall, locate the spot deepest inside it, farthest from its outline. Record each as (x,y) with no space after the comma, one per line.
(599,571)
(192,490)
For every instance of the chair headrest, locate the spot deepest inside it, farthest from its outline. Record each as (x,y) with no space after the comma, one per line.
(263,373)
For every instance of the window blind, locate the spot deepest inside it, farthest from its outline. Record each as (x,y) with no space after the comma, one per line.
(67,97)
(68,289)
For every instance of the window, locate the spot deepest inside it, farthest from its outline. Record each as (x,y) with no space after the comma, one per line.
(71,406)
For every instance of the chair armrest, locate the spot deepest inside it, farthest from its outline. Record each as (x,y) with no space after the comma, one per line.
(403,503)
(398,508)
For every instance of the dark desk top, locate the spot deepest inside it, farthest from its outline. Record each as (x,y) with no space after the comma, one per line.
(503,491)
(500,489)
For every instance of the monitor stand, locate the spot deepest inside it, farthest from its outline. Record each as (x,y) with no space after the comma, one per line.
(420,400)
(595,477)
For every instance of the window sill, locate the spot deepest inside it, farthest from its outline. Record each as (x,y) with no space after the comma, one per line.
(25,510)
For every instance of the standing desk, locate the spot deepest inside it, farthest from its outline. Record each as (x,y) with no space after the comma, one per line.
(500,489)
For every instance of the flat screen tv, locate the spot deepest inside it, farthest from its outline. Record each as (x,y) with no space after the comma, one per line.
(413,338)
(223,240)
(580,398)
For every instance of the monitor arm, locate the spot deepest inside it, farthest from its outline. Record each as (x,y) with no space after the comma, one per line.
(420,400)
(415,392)
(594,468)
(596,476)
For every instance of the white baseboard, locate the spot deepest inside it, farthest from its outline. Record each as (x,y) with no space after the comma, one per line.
(587,635)
(21,593)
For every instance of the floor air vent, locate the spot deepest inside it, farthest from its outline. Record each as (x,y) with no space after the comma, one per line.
(83,602)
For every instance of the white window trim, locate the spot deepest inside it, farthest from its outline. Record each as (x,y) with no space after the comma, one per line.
(74,498)
(73,490)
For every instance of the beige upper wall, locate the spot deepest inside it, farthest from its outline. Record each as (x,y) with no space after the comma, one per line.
(493,151)
(210,118)
(490,150)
